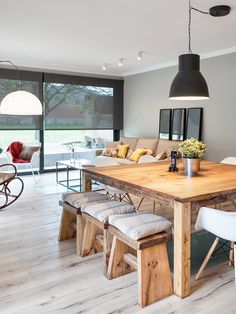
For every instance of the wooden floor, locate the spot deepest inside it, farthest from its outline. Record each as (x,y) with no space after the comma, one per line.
(40,275)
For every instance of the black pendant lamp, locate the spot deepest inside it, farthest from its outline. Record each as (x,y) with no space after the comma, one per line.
(189,83)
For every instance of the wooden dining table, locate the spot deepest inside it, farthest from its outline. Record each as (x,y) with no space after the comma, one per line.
(215,183)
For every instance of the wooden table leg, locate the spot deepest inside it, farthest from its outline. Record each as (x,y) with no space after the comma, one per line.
(182,239)
(86,183)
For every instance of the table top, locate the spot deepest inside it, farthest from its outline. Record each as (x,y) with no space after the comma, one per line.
(77,163)
(154,180)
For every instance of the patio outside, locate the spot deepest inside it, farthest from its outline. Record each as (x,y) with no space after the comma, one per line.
(58,145)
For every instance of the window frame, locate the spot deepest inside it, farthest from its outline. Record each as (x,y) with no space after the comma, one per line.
(42,77)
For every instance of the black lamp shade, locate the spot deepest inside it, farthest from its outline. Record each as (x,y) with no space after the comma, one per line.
(189,84)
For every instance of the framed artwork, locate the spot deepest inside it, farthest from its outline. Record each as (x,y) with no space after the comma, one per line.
(165,124)
(194,123)
(178,124)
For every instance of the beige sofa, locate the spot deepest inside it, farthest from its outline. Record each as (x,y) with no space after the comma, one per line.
(156,145)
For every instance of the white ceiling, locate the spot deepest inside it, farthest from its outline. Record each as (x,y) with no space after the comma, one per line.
(81,35)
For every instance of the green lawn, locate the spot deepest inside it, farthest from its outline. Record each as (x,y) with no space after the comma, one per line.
(31,136)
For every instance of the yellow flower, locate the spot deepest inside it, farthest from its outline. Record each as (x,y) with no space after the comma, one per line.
(192,148)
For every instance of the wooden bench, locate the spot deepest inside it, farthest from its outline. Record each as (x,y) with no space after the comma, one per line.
(91,234)
(96,237)
(149,257)
(72,224)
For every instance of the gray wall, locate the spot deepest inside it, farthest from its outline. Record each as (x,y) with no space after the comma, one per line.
(146,93)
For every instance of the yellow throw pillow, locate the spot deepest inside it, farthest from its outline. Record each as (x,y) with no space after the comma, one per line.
(137,154)
(122,151)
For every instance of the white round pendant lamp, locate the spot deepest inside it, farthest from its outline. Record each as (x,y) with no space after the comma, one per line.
(21,103)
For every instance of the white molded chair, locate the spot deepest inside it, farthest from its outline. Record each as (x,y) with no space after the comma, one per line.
(220,223)
(112,193)
(229,161)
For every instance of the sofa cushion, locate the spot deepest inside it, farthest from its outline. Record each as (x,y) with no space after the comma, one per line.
(167,146)
(140,225)
(103,161)
(110,152)
(113,144)
(124,161)
(131,141)
(122,151)
(149,143)
(137,154)
(161,156)
(130,152)
(147,158)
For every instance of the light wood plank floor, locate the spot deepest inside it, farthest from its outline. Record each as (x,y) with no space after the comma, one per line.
(40,275)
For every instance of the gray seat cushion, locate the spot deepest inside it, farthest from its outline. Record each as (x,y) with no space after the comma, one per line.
(77,199)
(103,210)
(140,225)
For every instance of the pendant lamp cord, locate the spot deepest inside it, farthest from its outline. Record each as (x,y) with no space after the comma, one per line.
(16,68)
(189,26)
(189,23)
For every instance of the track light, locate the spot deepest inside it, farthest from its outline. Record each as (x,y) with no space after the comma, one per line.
(120,62)
(104,67)
(139,55)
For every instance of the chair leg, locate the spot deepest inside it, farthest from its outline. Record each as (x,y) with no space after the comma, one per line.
(154,279)
(129,200)
(66,231)
(203,266)
(137,208)
(231,254)
(235,261)
(154,207)
(234,203)
(34,176)
(116,266)
(109,195)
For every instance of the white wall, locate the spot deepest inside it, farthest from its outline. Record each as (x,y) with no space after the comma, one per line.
(145,94)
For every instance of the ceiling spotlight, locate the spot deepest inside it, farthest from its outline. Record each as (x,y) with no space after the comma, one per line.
(104,67)
(139,55)
(120,62)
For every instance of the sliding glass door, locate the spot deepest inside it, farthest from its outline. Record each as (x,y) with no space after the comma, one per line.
(78,112)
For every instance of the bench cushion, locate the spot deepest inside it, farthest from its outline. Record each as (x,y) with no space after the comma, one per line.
(103,210)
(140,225)
(77,199)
